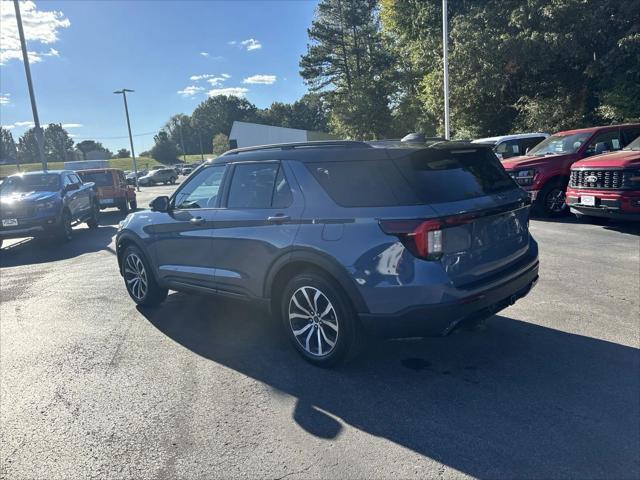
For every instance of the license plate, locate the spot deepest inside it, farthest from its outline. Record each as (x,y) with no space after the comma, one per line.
(588,200)
(10,222)
(107,201)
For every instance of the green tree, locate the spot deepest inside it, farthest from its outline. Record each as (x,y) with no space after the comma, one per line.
(217,114)
(8,148)
(93,148)
(58,145)
(348,61)
(165,150)
(123,153)
(220,144)
(181,130)
(28,147)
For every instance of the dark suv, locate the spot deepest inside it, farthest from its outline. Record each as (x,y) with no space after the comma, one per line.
(340,238)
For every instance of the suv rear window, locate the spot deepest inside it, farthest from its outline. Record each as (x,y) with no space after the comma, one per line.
(421,177)
(101,179)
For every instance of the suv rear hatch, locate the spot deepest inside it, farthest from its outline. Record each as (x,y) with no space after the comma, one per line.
(482,217)
(103,180)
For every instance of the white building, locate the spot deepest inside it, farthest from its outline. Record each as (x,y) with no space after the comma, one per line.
(250,134)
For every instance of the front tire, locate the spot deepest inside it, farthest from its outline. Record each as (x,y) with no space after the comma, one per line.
(124,206)
(65,230)
(93,222)
(139,280)
(551,201)
(318,319)
(172,181)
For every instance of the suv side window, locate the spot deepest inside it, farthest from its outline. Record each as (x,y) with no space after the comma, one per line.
(282,197)
(253,185)
(202,190)
(604,142)
(630,134)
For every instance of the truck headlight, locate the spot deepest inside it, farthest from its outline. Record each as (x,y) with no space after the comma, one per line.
(524,177)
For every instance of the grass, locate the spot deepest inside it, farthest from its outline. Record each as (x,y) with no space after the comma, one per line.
(121,163)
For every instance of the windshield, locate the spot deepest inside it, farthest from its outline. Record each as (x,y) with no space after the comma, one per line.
(560,144)
(101,179)
(43,182)
(635,145)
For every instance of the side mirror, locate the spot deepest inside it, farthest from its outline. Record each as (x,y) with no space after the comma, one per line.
(160,204)
(601,147)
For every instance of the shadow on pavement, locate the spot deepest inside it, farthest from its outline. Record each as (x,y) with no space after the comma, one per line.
(629,227)
(43,250)
(514,400)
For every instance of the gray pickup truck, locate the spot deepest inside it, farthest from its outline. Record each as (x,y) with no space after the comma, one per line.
(46,203)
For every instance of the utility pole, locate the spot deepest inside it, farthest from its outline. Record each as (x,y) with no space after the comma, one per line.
(184,153)
(27,70)
(200,140)
(445,61)
(133,153)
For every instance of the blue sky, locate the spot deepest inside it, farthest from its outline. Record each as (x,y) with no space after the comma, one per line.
(172,53)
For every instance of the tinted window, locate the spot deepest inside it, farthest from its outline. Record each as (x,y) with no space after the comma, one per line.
(282,197)
(421,177)
(608,141)
(252,185)
(508,149)
(202,190)
(529,143)
(101,179)
(630,134)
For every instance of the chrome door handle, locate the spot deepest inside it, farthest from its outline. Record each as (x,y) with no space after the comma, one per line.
(199,221)
(278,218)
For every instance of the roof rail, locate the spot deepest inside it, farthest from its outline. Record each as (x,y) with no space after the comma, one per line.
(292,146)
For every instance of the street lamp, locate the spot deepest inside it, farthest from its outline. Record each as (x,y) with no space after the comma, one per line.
(445,61)
(133,153)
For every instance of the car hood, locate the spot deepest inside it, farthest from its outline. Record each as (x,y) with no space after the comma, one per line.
(27,197)
(620,159)
(532,161)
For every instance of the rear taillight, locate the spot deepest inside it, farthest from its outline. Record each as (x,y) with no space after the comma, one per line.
(423,238)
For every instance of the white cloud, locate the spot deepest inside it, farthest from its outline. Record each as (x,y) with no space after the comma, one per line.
(196,78)
(215,81)
(72,125)
(225,75)
(204,54)
(229,91)
(251,44)
(4,98)
(40,26)
(232,42)
(28,123)
(261,79)
(190,91)
(8,127)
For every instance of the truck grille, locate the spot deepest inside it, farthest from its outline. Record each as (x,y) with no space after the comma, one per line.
(17,211)
(599,179)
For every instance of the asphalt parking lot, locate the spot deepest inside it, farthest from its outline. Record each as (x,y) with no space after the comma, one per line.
(92,386)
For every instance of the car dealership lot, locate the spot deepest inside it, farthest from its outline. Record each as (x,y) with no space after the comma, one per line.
(198,388)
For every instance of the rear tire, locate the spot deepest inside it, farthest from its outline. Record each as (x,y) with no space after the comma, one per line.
(133,205)
(139,280)
(172,181)
(551,201)
(319,320)
(124,206)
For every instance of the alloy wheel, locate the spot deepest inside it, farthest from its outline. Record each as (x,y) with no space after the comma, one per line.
(136,276)
(556,200)
(313,321)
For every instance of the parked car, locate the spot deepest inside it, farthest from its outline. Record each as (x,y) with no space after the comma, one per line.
(607,186)
(161,175)
(46,203)
(178,167)
(112,189)
(131,176)
(544,171)
(336,238)
(507,146)
(186,170)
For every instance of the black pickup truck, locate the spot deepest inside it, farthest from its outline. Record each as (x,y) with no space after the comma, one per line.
(46,203)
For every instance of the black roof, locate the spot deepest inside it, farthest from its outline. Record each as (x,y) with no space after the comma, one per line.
(333,150)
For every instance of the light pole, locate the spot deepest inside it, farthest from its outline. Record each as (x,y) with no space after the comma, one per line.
(133,153)
(445,61)
(184,152)
(32,95)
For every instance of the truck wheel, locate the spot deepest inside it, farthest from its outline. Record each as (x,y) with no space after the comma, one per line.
(124,206)
(172,181)
(319,320)
(551,201)
(133,205)
(92,222)
(139,280)
(65,230)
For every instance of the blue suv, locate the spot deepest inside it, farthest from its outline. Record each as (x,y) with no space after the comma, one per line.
(341,239)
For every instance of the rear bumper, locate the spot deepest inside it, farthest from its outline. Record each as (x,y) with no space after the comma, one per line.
(440,319)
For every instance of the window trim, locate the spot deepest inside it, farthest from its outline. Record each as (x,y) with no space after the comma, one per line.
(225,174)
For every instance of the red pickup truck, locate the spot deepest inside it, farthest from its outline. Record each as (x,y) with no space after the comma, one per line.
(112,188)
(607,186)
(544,171)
